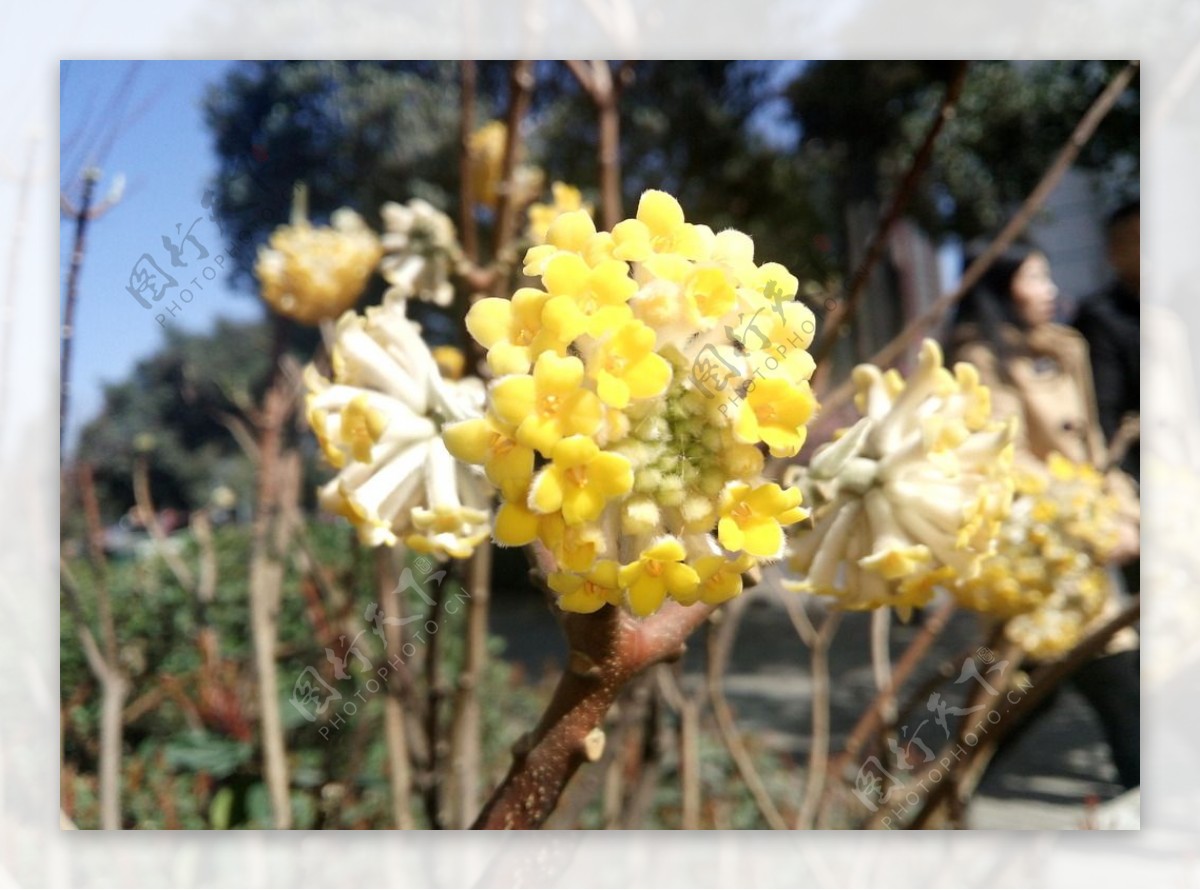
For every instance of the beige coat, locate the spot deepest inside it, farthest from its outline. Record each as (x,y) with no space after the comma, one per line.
(1050,391)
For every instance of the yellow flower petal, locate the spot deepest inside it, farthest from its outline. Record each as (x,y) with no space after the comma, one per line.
(469,440)
(488,321)
(516,526)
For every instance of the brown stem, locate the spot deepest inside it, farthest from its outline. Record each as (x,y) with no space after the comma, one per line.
(720,645)
(645,769)
(597,81)
(818,760)
(465,727)
(520,93)
(1041,684)
(1050,675)
(983,701)
(1066,157)
(689,709)
(82,217)
(466,194)
(607,649)
(149,518)
(871,722)
(278,492)
(434,693)
(399,772)
(900,200)
(872,718)
(113,690)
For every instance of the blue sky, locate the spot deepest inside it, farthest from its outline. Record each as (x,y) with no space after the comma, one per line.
(164,153)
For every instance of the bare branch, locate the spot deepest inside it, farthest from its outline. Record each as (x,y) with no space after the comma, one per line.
(466,196)
(720,644)
(466,725)
(145,508)
(818,760)
(394,718)
(608,648)
(900,200)
(520,93)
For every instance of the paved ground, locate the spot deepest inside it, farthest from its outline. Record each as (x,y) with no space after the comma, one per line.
(1054,776)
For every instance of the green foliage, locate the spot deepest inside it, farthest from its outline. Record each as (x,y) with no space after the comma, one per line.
(865,120)
(178,774)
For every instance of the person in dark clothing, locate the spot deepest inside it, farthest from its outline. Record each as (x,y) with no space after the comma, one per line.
(1111,323)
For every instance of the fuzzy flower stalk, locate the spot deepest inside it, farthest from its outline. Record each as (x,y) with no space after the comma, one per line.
(635,392)
(379,423)
(1047,579)
(311,273)
(912,496)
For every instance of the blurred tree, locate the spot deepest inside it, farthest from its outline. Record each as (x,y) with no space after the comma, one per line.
(173,404)
(863,121)
(357,133)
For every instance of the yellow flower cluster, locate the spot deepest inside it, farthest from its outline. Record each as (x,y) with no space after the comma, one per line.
(312,273)
(378,423)
(912,496)
(486,158)
(566,199)
(1046,576)
(632,399)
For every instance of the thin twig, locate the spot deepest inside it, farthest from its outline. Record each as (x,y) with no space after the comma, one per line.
(881,662)
(278,493)
(394,718)
(520,94)
(466,725)
(597,81)
(868,724)
(641,766)
(689,709)
(83,215)
(721,637)
(466,194)
(818,760)
(900,200)
(434,693)
(149,518)
(105,666)
(984,702)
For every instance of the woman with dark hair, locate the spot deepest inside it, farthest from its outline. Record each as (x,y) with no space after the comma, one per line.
(1040,372)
